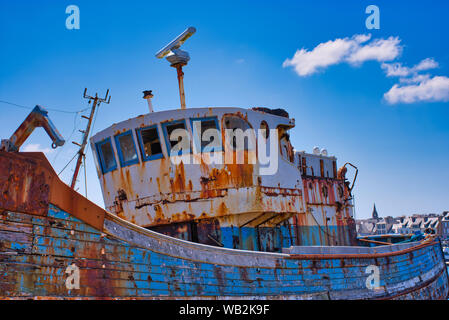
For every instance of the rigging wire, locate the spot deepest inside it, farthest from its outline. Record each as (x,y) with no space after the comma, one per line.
(67,164)
(75,126)
(85,174)
(84,156)
(50,109)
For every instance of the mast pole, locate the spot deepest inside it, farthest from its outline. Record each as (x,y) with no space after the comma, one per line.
(182,96)
(81,155)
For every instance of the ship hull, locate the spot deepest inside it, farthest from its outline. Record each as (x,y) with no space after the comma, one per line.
(64,247)
(36,252)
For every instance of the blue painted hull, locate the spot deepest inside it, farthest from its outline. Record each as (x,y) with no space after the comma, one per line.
(33,264)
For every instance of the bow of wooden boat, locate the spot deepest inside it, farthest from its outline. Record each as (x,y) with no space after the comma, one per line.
(55,243)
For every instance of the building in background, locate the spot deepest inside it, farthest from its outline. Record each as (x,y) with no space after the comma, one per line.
(445,226)
(375,215)
(404,224)
(367,227)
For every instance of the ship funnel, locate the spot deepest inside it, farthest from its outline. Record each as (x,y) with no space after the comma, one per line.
(147,95)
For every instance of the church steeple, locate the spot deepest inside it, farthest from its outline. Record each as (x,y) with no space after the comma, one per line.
(375,214)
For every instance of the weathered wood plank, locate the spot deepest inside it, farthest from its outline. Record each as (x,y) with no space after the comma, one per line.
(16,227)
(111,267)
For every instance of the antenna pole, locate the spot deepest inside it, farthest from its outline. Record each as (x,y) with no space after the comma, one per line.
(81,155)
(178,59)
(182,96)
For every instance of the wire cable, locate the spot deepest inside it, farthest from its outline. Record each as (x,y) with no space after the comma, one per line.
(75,126)
(67,164)
(85,174)
(50,109)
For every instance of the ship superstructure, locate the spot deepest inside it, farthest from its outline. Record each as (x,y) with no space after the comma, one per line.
(304,202)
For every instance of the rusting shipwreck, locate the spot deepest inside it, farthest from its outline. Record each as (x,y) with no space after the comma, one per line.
(48,229)
(178,223)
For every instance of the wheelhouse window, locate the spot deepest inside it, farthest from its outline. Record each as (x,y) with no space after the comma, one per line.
(106,155)
(150,143)
(206,134)
(265,129)
(176,137)
(126,149)
(285,145)
(234,123)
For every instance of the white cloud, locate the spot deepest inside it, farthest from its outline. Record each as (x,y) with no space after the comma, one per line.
(416,87)
(360,38)
(36,148)
(325,54)
(351,50)
(428,90)
(395,69)
(417,78)
(379,50)
(426,64)
(398,70)
(412,87)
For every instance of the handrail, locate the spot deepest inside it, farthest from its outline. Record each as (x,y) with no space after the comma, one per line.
(374,241)
(355,176)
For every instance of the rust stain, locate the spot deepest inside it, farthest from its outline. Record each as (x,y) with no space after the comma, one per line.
(28,184)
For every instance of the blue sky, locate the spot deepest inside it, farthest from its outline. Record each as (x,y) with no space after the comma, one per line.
(238,58)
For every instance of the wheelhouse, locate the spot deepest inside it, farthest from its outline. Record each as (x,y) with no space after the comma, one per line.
(160,172)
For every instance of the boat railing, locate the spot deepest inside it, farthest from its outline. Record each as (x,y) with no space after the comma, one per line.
(348,249)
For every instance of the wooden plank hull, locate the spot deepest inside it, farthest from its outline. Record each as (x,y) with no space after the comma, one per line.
(36,251)
(50,236)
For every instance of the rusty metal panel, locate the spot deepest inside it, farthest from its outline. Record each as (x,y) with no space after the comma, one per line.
(329,218)
(24,183)
(28,184)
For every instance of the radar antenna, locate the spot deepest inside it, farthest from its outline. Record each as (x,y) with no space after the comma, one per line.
(178,59)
